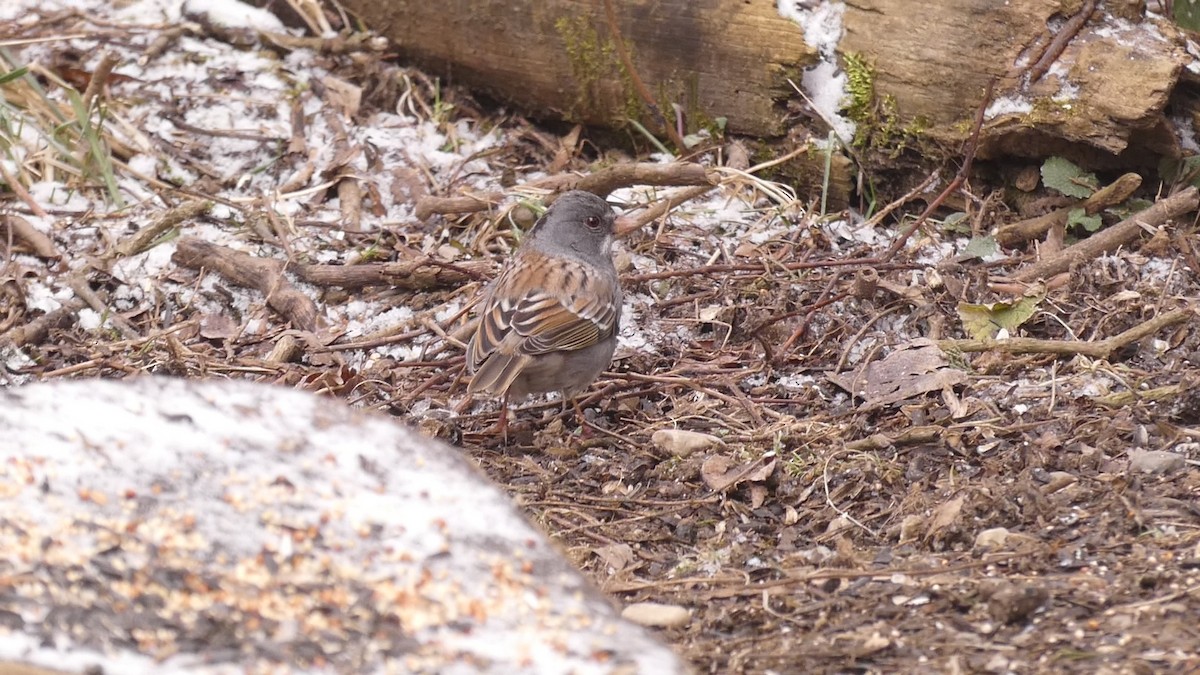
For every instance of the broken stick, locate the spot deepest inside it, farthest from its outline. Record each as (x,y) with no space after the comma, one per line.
(262,274)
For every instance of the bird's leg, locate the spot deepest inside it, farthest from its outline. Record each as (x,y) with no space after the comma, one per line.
(585,427)
(502,423)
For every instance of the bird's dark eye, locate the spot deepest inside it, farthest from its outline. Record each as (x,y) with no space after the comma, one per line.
(592,222)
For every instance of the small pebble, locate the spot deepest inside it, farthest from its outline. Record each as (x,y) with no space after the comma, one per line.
(655,615)
(993,539)
(1155,461)
(683,443)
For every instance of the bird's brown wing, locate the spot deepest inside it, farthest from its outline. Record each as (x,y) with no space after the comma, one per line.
(570,307)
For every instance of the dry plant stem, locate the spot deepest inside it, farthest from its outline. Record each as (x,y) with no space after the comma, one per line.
(601,183)
(850,344)
(1064,36)
(1129,397)
(684,382)
(628,225)
(430,206)
(648,98)
(144,238)
(763,267)
(373,342)
(178,121)
(37,330)
(906,198)
(299,144)
(164,333)
(11,181)
(338,44)
(79,284)
(99,79)
(161,44)
(1110,239)
(20,230)
(735,584)
(1101,349)
(350,199)
(313,15)
(825,299)
(262,274)
(968,159)
(286,350)
(605,181)
(71,370)
(1033,228)
(913,436)
(411,275)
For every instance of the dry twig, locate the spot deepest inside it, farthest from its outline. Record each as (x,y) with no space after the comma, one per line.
(602,183)
(1110,195)
(22,231)
(144,238)
(1112,238)
(1100,349)
(411,275)
(262,274)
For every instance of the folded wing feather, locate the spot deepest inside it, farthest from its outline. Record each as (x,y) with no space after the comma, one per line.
(512,330)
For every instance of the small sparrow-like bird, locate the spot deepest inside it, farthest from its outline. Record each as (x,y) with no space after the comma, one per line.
(549,320)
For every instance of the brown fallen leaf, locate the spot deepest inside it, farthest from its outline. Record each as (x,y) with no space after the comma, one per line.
(945,515)
(720,472)
(617,557)
(218,327)
(913,369)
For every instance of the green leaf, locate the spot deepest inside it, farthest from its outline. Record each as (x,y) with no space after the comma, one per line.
(12,75)
(1183,170)
(956,222)
(1080,217)
(1066,177)
(1186,14)
(981,247)
(983,322)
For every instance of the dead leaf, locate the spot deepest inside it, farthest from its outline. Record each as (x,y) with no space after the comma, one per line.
(718,472)
(913,369)
(873,644)
(758,495)
(656,615)
(218,327)
(945,515)
(616,557)
(343,95)
(762,473)
(910,528)
(958,408)
(745,249)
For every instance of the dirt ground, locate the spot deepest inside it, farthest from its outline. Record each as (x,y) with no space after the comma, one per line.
(1010,512)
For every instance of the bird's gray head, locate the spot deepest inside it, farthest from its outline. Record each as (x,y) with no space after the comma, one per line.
(579,225)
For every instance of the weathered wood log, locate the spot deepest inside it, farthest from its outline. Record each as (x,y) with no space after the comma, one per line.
(1085,79)
(716,58)
(1098,87)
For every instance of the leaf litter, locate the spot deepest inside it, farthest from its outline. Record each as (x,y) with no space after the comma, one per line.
(817,535)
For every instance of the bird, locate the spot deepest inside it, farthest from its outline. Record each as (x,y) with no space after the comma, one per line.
(549,319)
